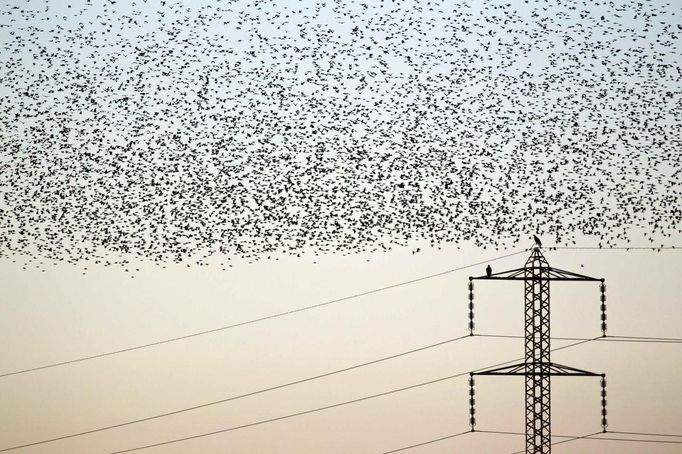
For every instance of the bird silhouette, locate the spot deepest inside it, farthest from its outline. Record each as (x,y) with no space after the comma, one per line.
(538,243)
(198,131)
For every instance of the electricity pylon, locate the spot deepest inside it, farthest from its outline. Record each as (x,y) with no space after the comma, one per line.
(537,367)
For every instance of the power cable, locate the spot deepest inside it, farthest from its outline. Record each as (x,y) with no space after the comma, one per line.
(305,308)
(292,415)
(228,399)
(314,410)
(447,437)
(591,437)
(663,339)
(404,448)
(623,248)
(284,385)
(636,440)
(643,341)
(259,319)
(233,398)
(649,434)
(607,338)
(569,438)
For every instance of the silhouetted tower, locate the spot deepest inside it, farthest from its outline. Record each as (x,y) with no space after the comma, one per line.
(537,367)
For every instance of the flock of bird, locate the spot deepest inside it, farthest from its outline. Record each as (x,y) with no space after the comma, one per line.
(170,130)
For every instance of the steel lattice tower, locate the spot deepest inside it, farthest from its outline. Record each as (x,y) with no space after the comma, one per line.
(537,367)
(536,295)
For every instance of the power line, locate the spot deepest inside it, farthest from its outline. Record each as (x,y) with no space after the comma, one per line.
(284,385)
(623,248)
(569,438)
(233,398)
(292,415)
(447,437)
(575,344)
(636,440)
(592,437)
(259,319)
(314,410)
(582,340)
(574,438)
(252,393)
(644,341)
(646,433)
(293,311)
(215,402)
(607,338)
(515,336)
(668,339)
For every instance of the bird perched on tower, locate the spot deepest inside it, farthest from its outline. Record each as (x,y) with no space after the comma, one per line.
(537,241)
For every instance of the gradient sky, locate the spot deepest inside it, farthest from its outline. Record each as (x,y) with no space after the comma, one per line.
(57,312)
(61,314)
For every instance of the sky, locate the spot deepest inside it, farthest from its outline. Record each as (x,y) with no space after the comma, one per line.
(62,314)
(170,168)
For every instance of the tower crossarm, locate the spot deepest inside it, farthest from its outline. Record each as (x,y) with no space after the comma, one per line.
(525,369)
(519,274)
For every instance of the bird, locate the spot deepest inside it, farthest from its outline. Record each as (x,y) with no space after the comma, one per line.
(190,132)
(488,271)
(538,243)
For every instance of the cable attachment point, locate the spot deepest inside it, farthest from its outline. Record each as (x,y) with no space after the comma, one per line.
(472,402)
(602,288)
(471,306)
(603,403)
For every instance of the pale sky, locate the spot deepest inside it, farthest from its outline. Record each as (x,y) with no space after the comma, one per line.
(61,314)
(581,123)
